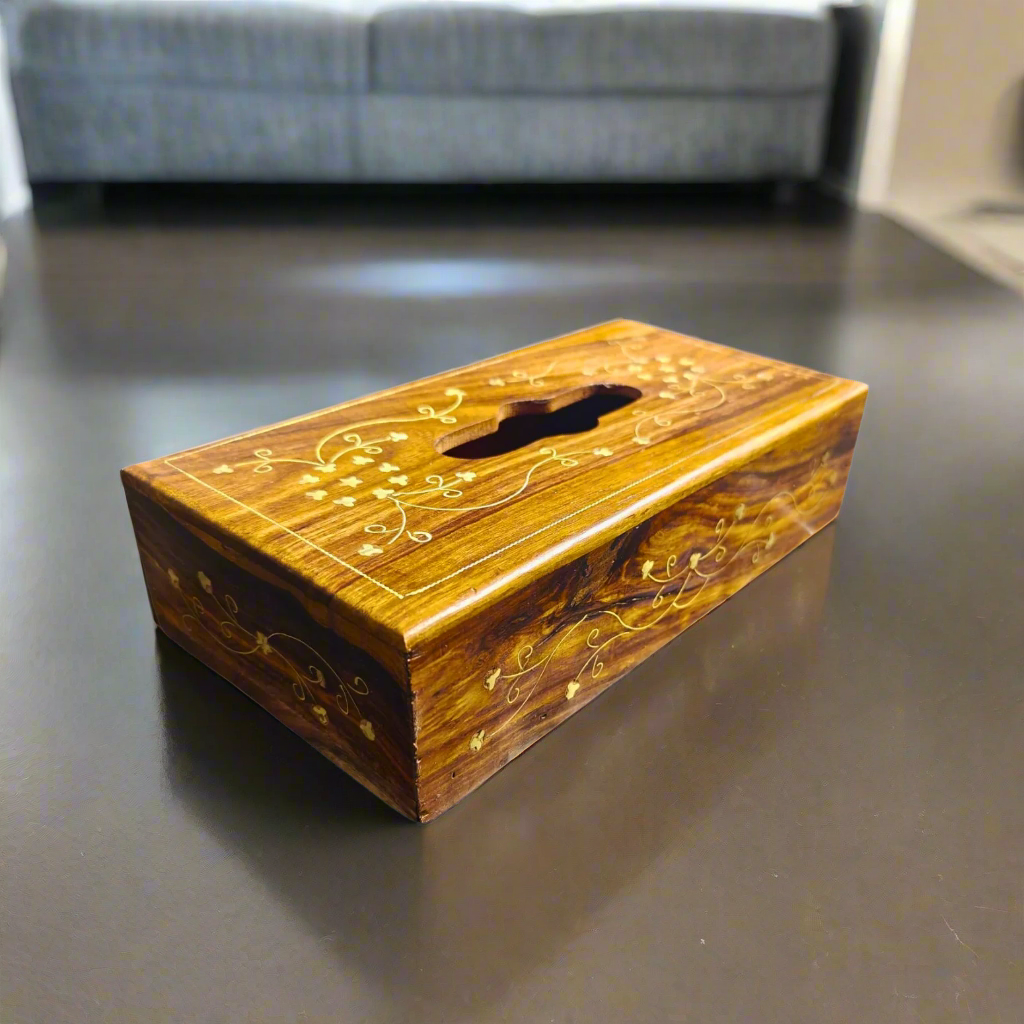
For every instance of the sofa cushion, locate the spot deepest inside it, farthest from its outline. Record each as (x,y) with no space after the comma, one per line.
(629,46)
(578,139)
(144,131)
(218,42)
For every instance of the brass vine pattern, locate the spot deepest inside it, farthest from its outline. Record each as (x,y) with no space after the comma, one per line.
(221,625)
(451,489)
(393,486)
(678,588)
(325,459)
(352,451)
(684,382)
(535,380)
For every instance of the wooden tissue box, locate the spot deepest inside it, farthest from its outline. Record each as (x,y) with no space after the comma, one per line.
(424,582)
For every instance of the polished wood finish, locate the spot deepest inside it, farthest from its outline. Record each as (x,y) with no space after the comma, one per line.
(422,619)
(231,613)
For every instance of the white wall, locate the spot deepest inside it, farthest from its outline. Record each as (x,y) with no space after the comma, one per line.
(962,110)
(14,191)
(947,110)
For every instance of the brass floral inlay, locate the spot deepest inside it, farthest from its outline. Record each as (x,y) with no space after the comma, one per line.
(359,467)
(393,486)
(535,380)
(220,624)
(327,456)
(436,486)
(683,382)
(679,587)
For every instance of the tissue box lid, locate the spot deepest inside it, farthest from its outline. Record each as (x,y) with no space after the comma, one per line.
(364,509)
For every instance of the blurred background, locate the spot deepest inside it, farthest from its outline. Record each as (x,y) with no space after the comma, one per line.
(912,108)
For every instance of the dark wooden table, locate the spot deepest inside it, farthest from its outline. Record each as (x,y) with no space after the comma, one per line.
(810,808)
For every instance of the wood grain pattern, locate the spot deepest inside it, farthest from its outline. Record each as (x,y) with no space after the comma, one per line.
(525,665)
(491,597)
(328,691)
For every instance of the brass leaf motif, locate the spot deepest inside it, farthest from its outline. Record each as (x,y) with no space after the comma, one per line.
(217,618)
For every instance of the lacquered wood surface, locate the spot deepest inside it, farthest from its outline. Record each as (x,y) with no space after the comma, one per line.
(485,694)
(588,550)
(330,692)
(357,506)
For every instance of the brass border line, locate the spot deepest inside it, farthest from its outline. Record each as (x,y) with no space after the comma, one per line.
(444,579)
(297,536)
(611,494)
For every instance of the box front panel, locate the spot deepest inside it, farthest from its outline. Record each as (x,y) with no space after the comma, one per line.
(231,616)
(523,666)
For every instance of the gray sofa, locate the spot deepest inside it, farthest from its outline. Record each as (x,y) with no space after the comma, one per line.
(421,90)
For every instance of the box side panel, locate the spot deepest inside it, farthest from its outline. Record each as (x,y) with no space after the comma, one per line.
(260,638)
(488,691)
